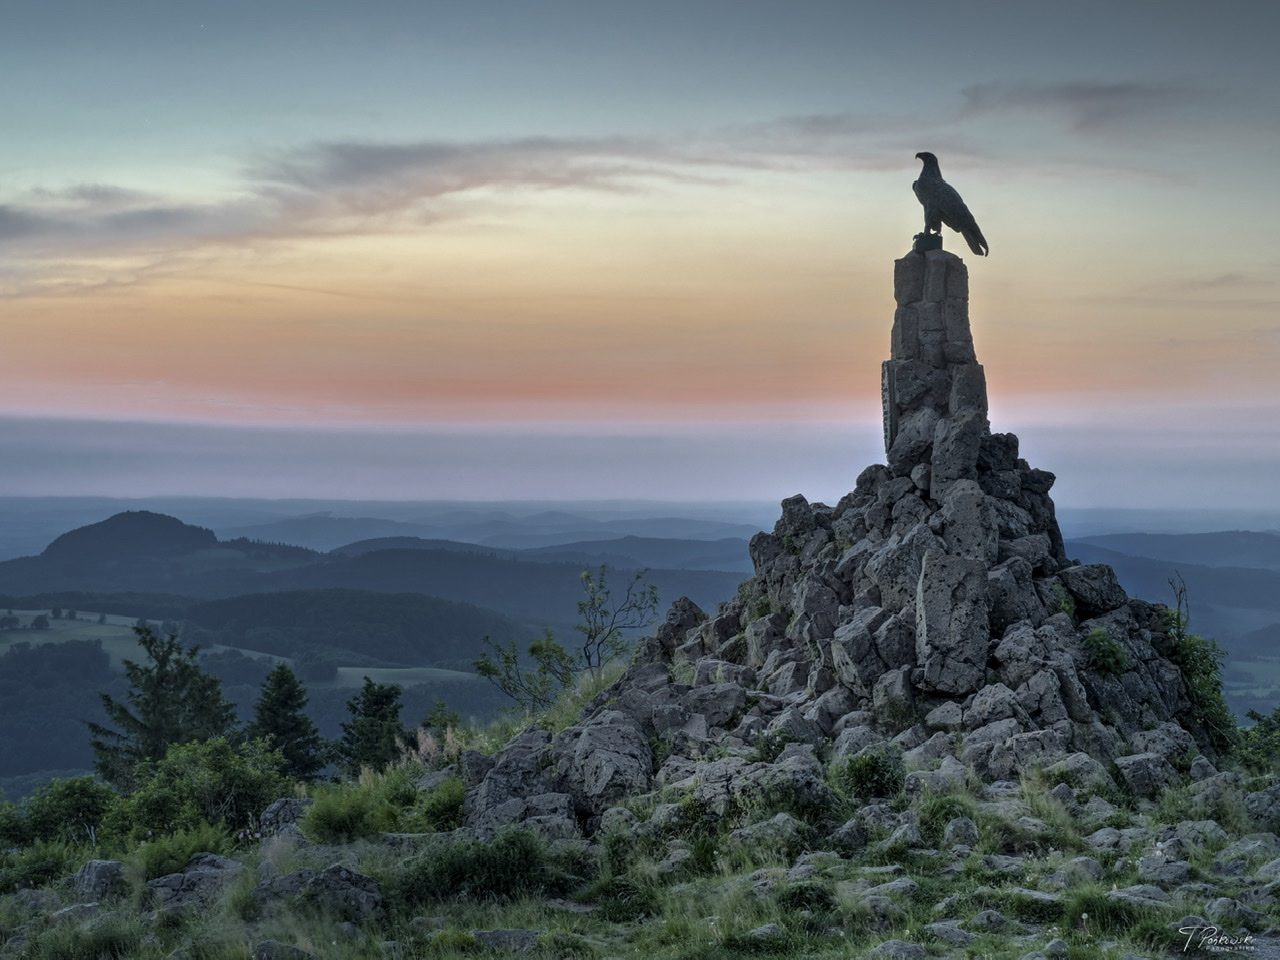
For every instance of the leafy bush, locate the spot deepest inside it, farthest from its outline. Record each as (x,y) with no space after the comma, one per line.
(1200,661)
(170,853)
(37,864)
(1105,655)
(14,829)
(874,773)
(199,784)
(1259,750)
(70,810)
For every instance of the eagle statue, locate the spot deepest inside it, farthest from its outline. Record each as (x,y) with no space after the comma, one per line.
(943,205)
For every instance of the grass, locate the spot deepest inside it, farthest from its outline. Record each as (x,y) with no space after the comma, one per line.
(707,911)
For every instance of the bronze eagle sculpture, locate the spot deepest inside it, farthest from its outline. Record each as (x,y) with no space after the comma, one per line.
(943,205)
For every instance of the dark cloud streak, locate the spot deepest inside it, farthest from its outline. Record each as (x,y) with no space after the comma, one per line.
(1088,107)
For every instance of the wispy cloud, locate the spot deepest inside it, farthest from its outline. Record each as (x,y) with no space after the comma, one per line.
(349,187)
(1088,107)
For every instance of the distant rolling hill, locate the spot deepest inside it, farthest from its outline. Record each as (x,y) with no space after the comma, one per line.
(729,554)
(141,553)
(324,532)
(1230,548)
(496,529)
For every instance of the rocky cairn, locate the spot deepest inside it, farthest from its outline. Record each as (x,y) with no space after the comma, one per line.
(933,607)
(930,625)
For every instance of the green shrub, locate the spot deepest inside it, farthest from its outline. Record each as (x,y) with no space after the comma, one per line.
(14,829)
(202,783)
(1200,661)
(872,774)
(170,853)
(37,864)
(1104,654)
(806,896)
(71,810)
(1259,750)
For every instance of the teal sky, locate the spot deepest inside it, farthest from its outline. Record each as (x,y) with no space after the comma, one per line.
(393,225)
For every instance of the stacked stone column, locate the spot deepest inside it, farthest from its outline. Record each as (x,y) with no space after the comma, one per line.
(934,389)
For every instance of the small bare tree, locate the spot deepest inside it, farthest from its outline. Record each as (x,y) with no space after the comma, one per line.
(604,622)
(603,628)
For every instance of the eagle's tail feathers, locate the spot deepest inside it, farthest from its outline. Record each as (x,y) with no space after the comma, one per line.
(977,242)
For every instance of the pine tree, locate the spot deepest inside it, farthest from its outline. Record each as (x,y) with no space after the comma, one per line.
(171,700)
(278,719)
(374,736)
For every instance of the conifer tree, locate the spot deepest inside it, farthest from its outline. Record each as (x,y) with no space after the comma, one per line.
(278,719)
(171,700)
(374,736)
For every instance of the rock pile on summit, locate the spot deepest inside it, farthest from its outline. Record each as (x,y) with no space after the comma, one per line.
(933,606)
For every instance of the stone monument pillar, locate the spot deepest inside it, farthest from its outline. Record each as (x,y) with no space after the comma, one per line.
(934,389)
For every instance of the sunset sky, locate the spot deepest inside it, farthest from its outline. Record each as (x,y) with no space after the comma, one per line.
(608,248)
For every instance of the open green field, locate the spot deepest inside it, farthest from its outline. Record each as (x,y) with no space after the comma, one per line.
(116,634)
(118,639)
(405,676)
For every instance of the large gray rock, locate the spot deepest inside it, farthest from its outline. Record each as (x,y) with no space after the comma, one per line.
(98,880)
(1263,807)
(1147,773)
(734,785)
(1094,588)
(969,523)
(521,769)
(606,759)
(343,892)
(550,814)
(272,891)
(895,567)
(283,818)
(197,886)
(952,631)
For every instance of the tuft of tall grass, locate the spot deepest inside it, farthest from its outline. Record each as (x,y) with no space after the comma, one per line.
(515,863)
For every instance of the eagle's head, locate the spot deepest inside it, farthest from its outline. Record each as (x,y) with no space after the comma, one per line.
(926,156)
